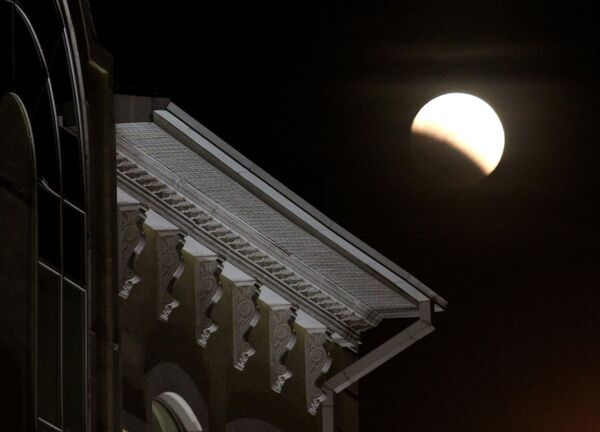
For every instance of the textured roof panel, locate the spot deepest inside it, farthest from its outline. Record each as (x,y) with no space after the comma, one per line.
(218,186)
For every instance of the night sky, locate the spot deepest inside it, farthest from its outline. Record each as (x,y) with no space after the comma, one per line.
(322,98)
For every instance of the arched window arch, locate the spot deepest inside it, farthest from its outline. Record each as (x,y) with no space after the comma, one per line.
(43,318)
(163,420)
(171,413)
(169,389)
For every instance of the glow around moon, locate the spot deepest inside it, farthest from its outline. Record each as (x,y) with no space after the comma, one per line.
(467,124)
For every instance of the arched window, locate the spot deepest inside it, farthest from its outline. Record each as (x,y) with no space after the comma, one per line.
(168,387)
(171,413)
(43,315)
(163,420)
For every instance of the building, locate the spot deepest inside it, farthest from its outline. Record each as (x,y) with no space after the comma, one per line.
(157,279)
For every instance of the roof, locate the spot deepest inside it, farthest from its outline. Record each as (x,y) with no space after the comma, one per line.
(209,172)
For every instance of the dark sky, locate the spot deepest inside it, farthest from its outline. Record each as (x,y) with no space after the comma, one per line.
(323,97)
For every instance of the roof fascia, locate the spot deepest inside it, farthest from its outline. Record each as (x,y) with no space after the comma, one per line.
(244,171)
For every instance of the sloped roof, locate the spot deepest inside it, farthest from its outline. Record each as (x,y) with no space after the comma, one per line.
(202,167)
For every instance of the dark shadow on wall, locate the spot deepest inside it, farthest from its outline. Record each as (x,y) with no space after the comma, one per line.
(18,256)
(250,425)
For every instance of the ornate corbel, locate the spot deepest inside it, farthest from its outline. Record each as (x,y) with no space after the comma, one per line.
(245,317)
(316,358)
(170,267)
(318,362)
(132,240)
(282,336)
(231,237)
(281,340)
(208,291)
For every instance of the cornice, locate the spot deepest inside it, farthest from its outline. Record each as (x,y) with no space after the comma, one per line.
(241,245)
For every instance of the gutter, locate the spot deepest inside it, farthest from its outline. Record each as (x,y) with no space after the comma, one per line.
(384,352)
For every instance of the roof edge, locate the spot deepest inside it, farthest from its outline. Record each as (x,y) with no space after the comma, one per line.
(309,217)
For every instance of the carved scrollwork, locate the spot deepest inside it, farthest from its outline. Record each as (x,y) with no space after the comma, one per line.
(131,243)
(170,267)
(245,316)
(317,362)
(281,340)
(208,291)
(258,255)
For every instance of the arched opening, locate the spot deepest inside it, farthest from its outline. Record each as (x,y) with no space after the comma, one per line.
(170,386)
(171,413)
(163,420)
(44,272)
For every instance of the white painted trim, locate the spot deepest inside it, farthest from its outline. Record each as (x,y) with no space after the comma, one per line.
(180,408)
(309,323)
(159,223)
(123,198)
(235,275)
(197,249)
(272,299)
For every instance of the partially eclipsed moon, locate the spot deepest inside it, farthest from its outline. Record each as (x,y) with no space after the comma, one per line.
(466,124)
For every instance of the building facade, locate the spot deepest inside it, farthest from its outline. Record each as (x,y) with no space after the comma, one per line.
(58,219)
(157,280)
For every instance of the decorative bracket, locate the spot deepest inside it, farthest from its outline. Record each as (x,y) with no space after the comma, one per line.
(244,296)
(281,340)
(282,337)
(169,261)
(245,317)
(317,360)
(208,291)
(132,240)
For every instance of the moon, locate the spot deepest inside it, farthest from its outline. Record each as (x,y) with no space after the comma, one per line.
(458,138)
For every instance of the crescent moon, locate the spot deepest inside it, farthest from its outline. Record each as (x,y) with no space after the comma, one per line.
(466,123)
